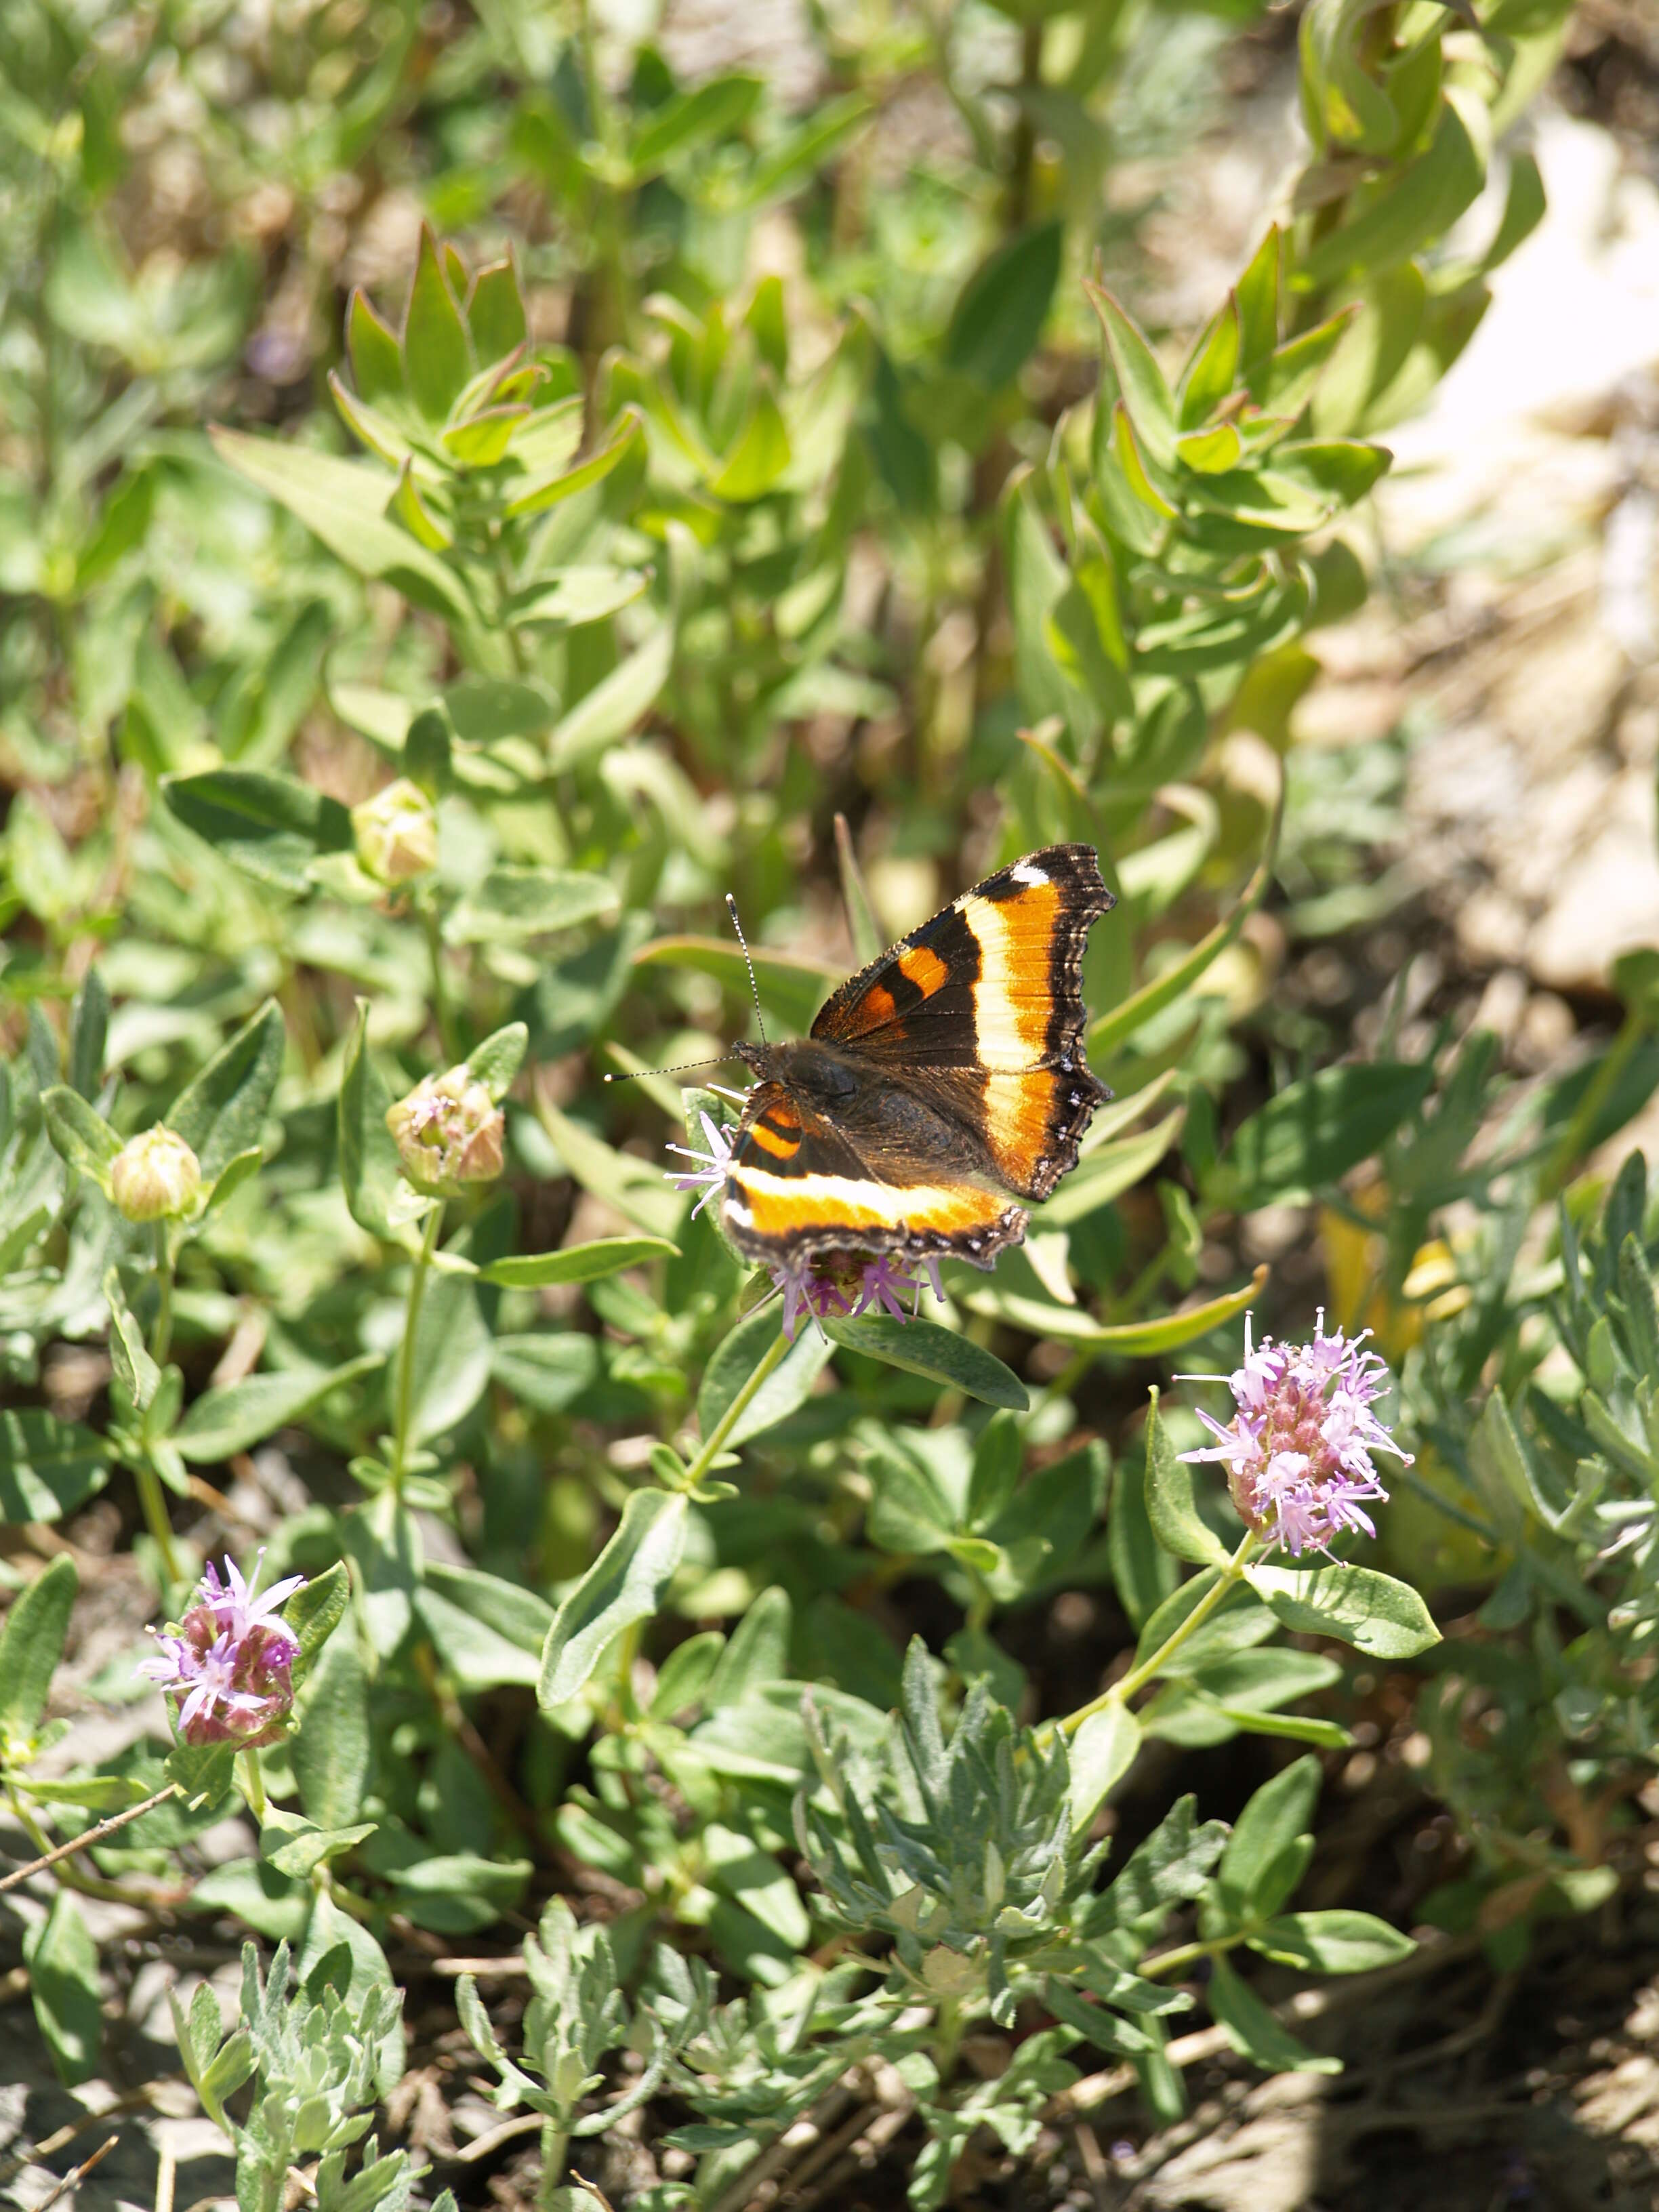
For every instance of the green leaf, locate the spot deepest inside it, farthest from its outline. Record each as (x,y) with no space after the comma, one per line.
(135,1371)
(451,1357)
(550,491)
(205,1772)
(271,827)
(1339,1943)
(546,1370)
(792,986)
(1277,1816)
(48,1467)
(760,452)
(314,1612)
(222,1112)
(63,1963)
(634,1189)
(333,1747)
(32,1645)
(616,703)
(340,502)
(1140,382)
(1254,2032)
(1129,1340)
(687,119)
(241,1414)
(1103,1751)
(1412,206)
(88,1033)
(1257,301)
(922,1347)
(1314,1131)
(378,1198)
(577,1263)
(436,351)
(495,311)
(1143,1573)
(1000,310)
(377,363)
(735,1359)
(1358,1605)
(624,1584)
(515,901)
(1212,369)
(79,1133)
(1169,1500)
(296,1847)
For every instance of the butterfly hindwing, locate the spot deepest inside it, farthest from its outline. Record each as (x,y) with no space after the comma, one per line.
(797,1186)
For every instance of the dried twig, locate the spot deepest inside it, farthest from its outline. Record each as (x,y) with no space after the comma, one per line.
(76,2174)
(89,1837)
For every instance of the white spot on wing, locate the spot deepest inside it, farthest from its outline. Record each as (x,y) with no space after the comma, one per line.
(1023,872)
(737,1211)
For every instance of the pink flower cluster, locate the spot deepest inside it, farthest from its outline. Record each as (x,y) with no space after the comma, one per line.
(1298,1451)
(844,1284)
(230,1663)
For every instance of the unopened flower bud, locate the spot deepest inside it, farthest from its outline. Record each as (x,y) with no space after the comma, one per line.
(449,1131)
(154,1177)
(397,833)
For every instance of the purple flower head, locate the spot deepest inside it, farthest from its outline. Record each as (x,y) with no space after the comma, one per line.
(842,1286)
(229,1661)
(710,1171)
(1298,1451)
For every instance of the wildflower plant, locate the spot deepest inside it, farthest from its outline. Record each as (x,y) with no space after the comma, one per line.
(372,777)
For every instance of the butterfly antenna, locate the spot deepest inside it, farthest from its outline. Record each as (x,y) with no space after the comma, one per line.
(732,909)
(681,1068)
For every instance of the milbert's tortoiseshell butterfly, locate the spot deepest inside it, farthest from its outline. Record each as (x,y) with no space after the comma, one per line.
(940,1082)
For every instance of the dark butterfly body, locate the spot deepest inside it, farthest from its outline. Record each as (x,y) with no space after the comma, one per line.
(943,1080)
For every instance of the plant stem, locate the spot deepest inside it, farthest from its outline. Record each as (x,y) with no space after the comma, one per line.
(1184,1955)
(162,1336)
(253,1785)
(772,1360)
(1575,1138)
(88,1836)
(406,1356)
(1137,1678)
(442,1012)
(154,1506)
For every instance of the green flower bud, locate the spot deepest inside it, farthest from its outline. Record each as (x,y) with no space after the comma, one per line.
(397,834)
(155,1177)
(449,1131)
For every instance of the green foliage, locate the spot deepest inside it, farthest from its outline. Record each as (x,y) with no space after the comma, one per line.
(929,549)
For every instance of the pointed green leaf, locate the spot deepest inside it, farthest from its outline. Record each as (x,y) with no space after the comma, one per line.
(922,1347)
(1169,1500)
(1371,1611)
(271,827)
(32,1645)
(577,1263)
(79,1133)
(437,354)
(624,1584)
(222,1112)
(1140,382)
(998,316)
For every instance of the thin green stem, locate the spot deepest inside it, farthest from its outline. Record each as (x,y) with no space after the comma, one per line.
(406,1356)
(161,1335)
(253,1785)
(714,1441)
(1185,1954)
(1575,1138)
(442,1013)
(152,1503)
(1138,1677)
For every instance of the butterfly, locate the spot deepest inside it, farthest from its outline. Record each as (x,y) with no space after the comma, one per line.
(937,1084)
